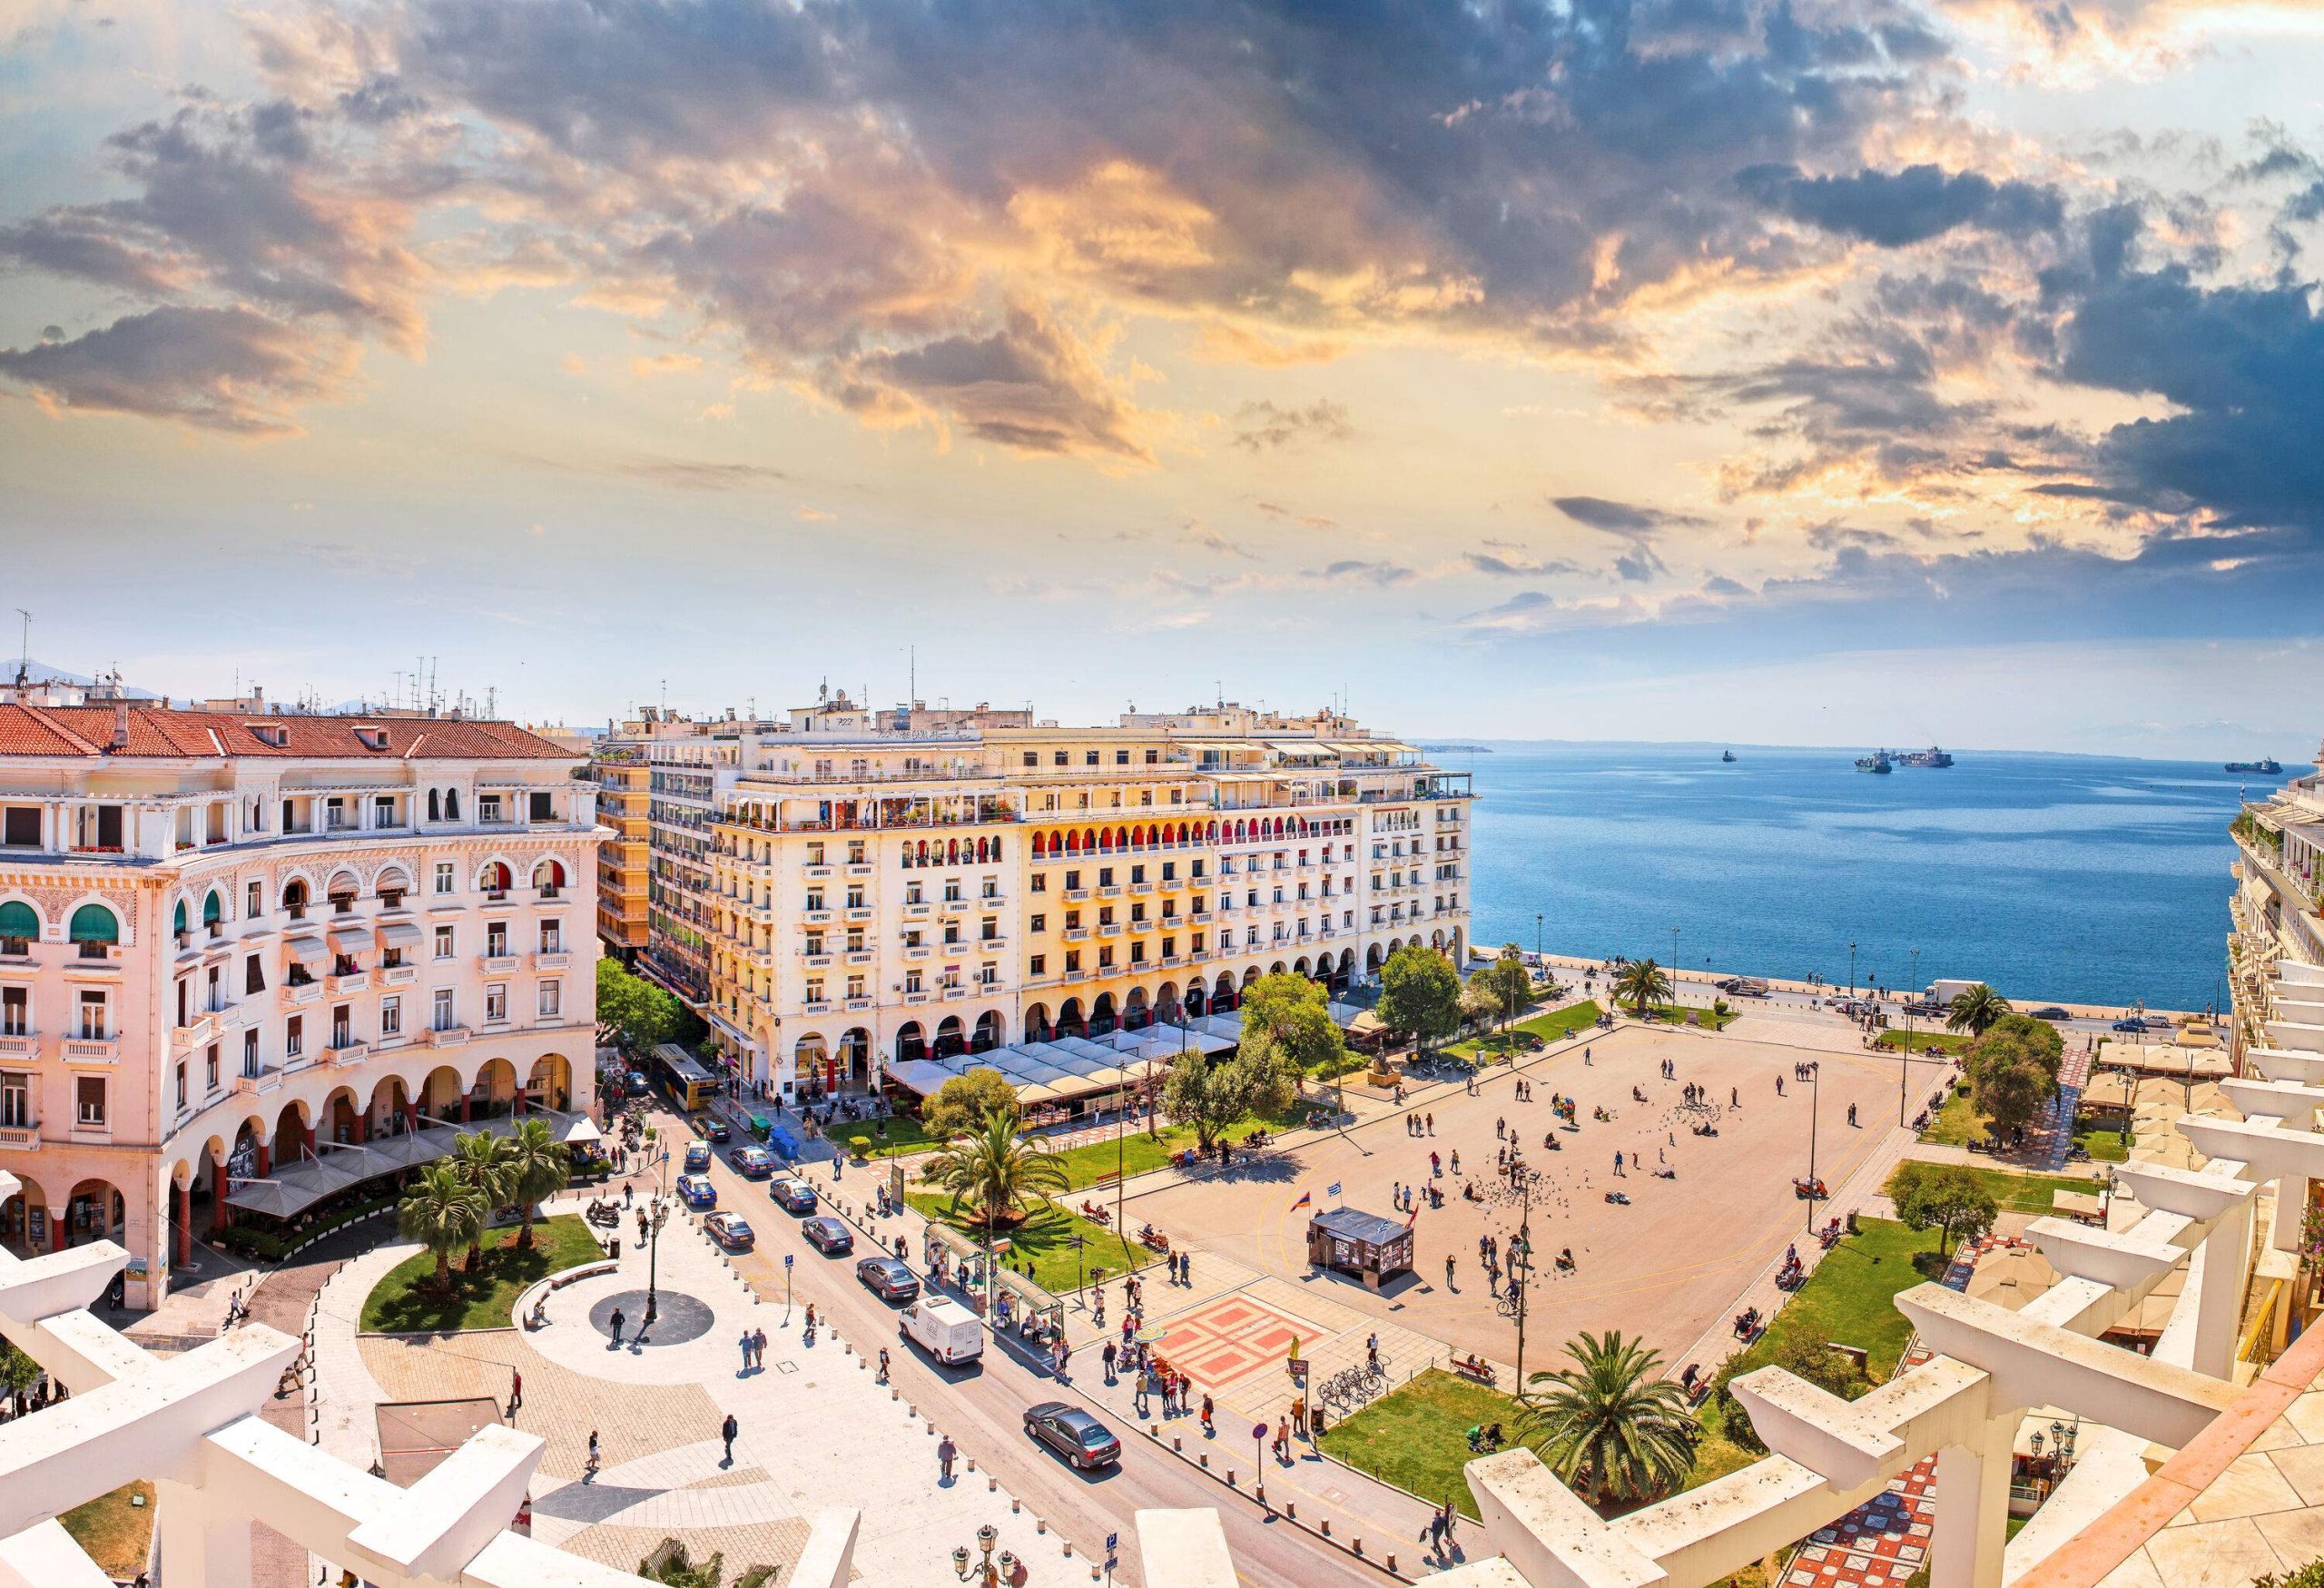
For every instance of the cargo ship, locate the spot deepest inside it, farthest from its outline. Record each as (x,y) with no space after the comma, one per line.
(2266,764)
(1932,757)
(1876,762)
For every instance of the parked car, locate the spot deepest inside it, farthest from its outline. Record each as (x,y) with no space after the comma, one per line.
(943,1328)
(730,1230)
(829,1236)
(717,1131)
(2132,1024)
(2051,1012)
(1073,1433)
(637,1085)
(888,1278)
(697,1190)
(754,1163)
(792,1194)
(697,1157)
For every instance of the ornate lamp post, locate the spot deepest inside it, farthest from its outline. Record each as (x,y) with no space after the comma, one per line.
(1521,1271)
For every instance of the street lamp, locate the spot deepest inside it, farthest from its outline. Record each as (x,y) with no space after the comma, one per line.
(658,1216)
(1521,1271)
(1851,970)
(1814,1105)
(1537,936)
(1674,965)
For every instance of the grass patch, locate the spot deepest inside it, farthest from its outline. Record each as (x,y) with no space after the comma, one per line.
(1923,1042)
(1043,1247)
(898,1137)
(2016,1193)
(2104,1146)
(1416,1436)
(1957,1123)
(114,1532)
(402,1303)
(1553,1026)
(1139,1152)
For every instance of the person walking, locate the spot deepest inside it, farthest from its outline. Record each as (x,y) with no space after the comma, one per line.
(1448,1273)
(616,1320)
(516,1391)
(1107,1357)
(589,1471)
(745,1344)
(1283,1441)
(883,1365)
(1207,1409)
(1372,1353)
(946,1452)
(1431,1122)
(1617,1163)
(726,1431)
(758,1348)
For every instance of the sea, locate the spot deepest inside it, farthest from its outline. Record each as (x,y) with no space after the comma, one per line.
(2075,878)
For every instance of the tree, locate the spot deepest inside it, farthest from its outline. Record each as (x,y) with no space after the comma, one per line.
(1289,1018)
(2012,1070)
(1479,1006)
(965,1099)
(1611,1421)
(633,1011)
(1974,1009)
(1419,995)
(1942,1196)
(443,1212)
(990,1170)
(673,1566)
(18,1372)
(482,1161)
(1214,1096)
(537,1167)
(1508,981)
(1798,1355)
(1641,983)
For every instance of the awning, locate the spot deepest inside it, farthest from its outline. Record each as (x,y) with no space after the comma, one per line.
(293,1187)
(399,935)
(17,920)
(351,937)
(307,951)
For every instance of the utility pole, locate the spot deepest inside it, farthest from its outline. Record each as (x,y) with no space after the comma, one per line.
(1905,1068)
(1851,970)
(24,648)
(1815,1104)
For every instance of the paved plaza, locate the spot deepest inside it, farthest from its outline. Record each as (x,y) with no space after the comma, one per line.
(1666,1267)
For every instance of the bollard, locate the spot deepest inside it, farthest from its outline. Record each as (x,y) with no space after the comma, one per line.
(1328,1527)
(1259,1491)
(1357,1546)
(972,1464)
(1290,1510)
(1205,1461)
(1392,1561)
(1015,1506)
(1040,1525)
(991,1482)
(1230,1477)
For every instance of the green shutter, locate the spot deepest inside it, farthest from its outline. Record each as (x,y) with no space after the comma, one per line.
(177,921)
(211,910)
(18,919)
(95,923)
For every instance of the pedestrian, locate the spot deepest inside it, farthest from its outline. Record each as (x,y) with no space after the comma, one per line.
(1186,1267)
(1617,1163)
(1585,1055)
(1450,1521)
(1106,1355)
(811,1318)
(1207,1409)
(516,1391)
(746,1350)
(628,1195)
(1734,1097)
(758,1348)
(946,1452)
(1283,1441)
(883,1365)
(1372,1353)
(726,1431)
(1448,1273)
(590,1471)
(1432,1124)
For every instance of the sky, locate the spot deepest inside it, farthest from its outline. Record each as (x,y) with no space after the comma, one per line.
(1760,371)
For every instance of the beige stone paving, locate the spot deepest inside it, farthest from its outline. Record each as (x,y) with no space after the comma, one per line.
(764,1543)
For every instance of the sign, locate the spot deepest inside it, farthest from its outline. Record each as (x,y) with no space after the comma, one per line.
(1260,1432)
(787,1260)
(1113,1543)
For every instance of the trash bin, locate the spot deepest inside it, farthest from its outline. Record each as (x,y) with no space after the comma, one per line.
(758,1127)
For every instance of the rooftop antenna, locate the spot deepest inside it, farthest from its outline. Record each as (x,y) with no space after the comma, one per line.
(911,677)
(491,698)
(25,651)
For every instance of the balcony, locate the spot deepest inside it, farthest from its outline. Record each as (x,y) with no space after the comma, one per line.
(1076,935)
(302,994)
(395,976)
(916,909)
(919,951)
(348,1053)
(857,1005)
(819,962)
(93,1049)
(352,981)
(552,959)
(857,868)
(204,1029)
(1110,890)
(1111,929)
(251,1082)
(954,994)
(20,1045)
(1142,887)
(20,1138)
(446,1036)
(993,945)
(504,964)
(1075,895)
(816,871)
(820,1007)
(920,997)
(858,956)
(859,914)
(815,917)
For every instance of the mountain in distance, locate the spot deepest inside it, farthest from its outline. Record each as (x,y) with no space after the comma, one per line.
(39,672)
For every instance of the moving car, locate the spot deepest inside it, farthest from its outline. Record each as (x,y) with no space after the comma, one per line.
(943,1328)
(792,1194)
(828,1235)
(697,1190)
(717,1131)
(637,1085)
(2133,1024)
(754,1163)
(888,1278)
(1073,1433)
(2051,1012)
(697,1156)
(730,1230)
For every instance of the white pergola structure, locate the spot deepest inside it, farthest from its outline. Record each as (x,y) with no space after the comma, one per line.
(190,1424)
(1964,1405)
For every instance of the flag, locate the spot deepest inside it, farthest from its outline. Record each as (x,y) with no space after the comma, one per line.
(1304,1199)
(1332,1190)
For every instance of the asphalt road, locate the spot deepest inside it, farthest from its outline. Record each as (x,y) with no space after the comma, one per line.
(983,1408)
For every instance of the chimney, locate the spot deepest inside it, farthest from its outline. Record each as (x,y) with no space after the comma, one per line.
(121,724)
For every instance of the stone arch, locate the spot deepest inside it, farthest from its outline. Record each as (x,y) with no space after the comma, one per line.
(293,1126)
(911,1043)
(94,1209)
(1037,1023)
(392,879)
(341,1117)
(854,1056)
(1373,960)
(992,1028)
(343,885)
(1135,1011)
(1102,1018)
(441,1093)
(24,1218)
(809,1055)
(1197,999)
(494,876)
(550,1083)
(950,1037)
(1166,1004)
(1070,1021)
(549,877)
(493,1093)
(1299,965)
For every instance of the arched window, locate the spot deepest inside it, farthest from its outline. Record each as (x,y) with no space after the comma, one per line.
(177,920)
(549,878)
(494,878)
(213,911)
(95,928)
(294,898)
(451,804)
(1073,844)
(435,805)
(1039,845)
(19,927)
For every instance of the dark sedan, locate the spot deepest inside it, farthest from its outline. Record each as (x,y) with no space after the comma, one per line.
(1073,1433)
(888,1278)
(829,1237)
(2051,1011)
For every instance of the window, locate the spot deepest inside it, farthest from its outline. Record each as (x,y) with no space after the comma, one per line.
(343,1027)
(1105,876)
(1072,881)
(952,891)
(814,898)
(1060,758)
(444,942)
(1088,758)
(1072,961)
(1137,953)
(1036,964)
(816,853)
(496,1003)
(92,1015)
(294,1036)
(250,1053)
(1040,923)
(855,852)
(487,807)
(1032,758)
(391,1015)
(543,806)
(1121,758)
(1169,871)
(16,1012)
(495,939)
(440,1015)
(1104,914)
(95,929)
(989,931)
(1154,758)
(89,1101)
(1105,957)
(814,989)
(1040,882)
(552,999)
(254,904)
(383,811)
(854,940)
(21,827)
(443,876)
(815,941)
(911,980)
(855,896)
(253,975)
(913,895)
(1169,948)
(855,986)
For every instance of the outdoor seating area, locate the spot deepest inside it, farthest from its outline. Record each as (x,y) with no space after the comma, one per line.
(1067,1077)
(293,1188)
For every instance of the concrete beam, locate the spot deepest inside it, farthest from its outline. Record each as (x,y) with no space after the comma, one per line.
(44,1556)
(2269,1149)
(2277,1064)
(828,1561)
(443,1521)
(2121,1261)
(2295,1102)
(61,1284)
(2037,1364)
(83,1354)
(1549,1535)
(513,1561)
(1817,1429)
(2203,1194)
(1177,1549)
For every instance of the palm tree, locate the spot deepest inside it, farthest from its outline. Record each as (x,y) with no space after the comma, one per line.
(673,1565)
(1612,1421)
(443,1212)
(537,1167)
(1640,983)
(482,1160)
(1975,1008)
(992,1172)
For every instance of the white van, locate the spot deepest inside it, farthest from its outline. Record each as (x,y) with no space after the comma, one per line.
(944,1329)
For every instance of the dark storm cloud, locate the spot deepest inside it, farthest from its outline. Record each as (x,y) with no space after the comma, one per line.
(216,368)
(1895,208)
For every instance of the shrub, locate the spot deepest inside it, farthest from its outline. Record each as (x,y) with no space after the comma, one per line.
(860,1146)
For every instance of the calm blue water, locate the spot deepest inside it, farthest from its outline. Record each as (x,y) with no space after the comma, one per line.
(2051,876)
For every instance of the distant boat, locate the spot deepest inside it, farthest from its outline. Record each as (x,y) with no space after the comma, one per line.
(1726,754)
(1932,757)
(2266,764)
(1876,762)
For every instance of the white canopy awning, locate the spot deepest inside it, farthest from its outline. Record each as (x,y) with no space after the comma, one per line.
(351,937)
(399,935)
(306,949)
(293,1187)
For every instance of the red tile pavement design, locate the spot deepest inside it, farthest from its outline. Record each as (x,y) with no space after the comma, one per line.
(1230,1337)
(1881,1542)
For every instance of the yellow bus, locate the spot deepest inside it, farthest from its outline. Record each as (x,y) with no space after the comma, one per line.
(682,1075)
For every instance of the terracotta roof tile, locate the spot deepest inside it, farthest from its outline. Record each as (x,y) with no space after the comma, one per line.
(157,732)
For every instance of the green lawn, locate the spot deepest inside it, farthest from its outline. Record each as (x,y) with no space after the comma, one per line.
(1925,1041)
(2103,1146)
(1957,1123)
(1139,1152)
(403,1302)
(1416,1436)
(1042,1245)
(899,1137)
(2018,1193)
(1552,1026)
(1850,1300)
(114,1532)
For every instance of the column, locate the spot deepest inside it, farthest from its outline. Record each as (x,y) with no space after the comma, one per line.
(1973,1509)
(203,1545)
(2291,1203)
(56,1228)
(410,1115)
(468,1101)
(362,1128)
(181,1204)
(2217,1272)
(265,1159)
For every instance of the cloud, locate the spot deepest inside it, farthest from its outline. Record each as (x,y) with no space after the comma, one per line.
(1639,564)
(807,515)
(1029,384)
(647,368)
(1197,533)
(1518,567)
(1895,208)
(1351,570)
(1614,517)
(227,369)
(1305,520)
(1262,426)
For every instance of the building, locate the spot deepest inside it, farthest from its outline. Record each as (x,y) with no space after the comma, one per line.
(849,888)
(625,860)
(2276,941)
(246,960)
